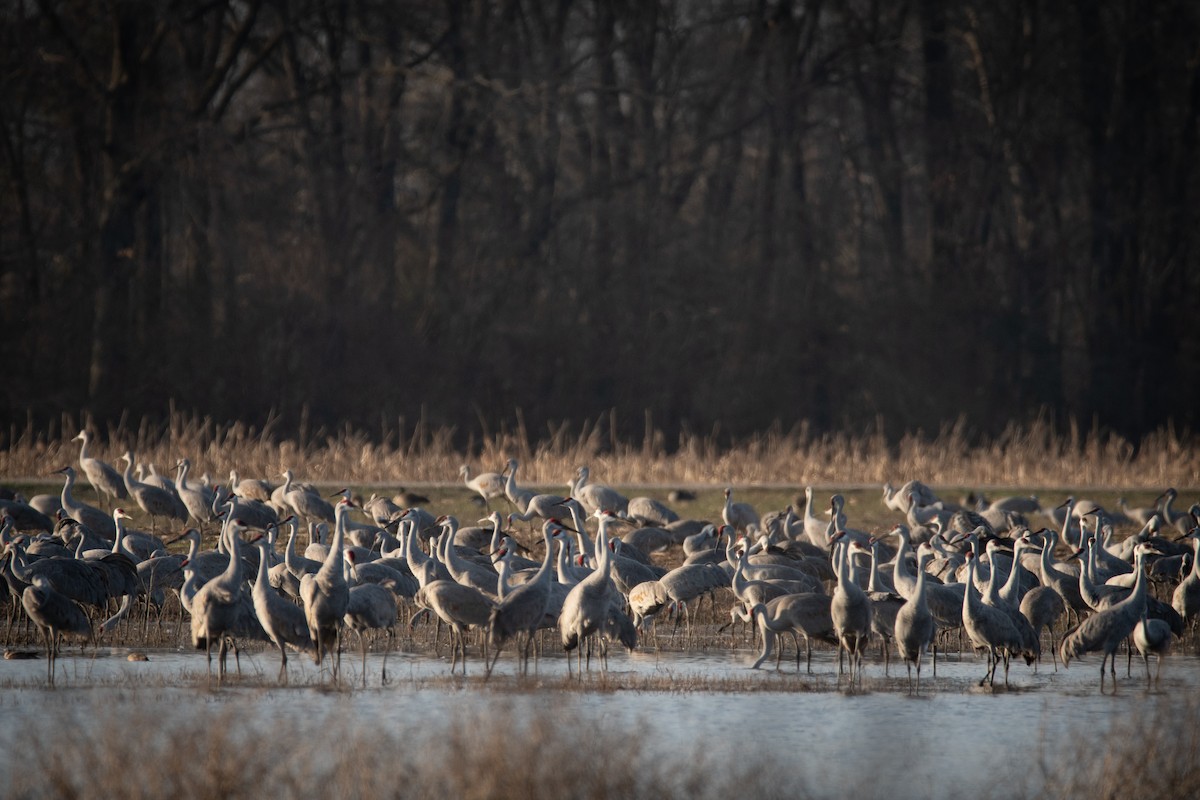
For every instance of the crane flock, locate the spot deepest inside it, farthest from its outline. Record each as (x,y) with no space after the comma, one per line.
(988,576)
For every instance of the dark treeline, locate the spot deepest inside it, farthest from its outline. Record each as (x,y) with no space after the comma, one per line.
(733,211)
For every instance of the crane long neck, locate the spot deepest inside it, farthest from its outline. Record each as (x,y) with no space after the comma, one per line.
(969,589)
(875,582)
(1066,526)
(1009,590)
(263,561)
(563,565)
(334,558)
(1137,597)
(542,576)
(68,502)
(412,553)
(918,595)
(289,552)
(130,481)
(233,572)
(603,554)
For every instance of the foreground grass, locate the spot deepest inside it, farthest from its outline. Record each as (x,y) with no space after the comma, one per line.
(216,753)
(1034,454)
(132,746)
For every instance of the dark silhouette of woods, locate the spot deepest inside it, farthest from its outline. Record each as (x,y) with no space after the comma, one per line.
(732,211)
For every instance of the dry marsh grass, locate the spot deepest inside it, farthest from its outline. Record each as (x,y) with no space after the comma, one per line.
(1037,454)
(142,751)
(1152,752)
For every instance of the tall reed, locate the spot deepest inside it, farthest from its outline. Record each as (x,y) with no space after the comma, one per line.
(1037,454)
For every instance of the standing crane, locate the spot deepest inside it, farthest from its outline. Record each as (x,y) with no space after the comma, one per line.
(524,608)
(488,485)
(283,622)
(102,476)
(460,607)
(516,495)
(55,615)
(1105,630)
(914,627)
(154,501)
(371,607)
(97,521)
(738,516)
(988,628)
(325,593)
(851,612)
(596,497)
(222,610)
(197,498)
(587,603)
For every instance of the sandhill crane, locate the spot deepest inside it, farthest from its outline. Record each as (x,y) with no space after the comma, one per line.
(1065,583)
(1152,636)
(1181,520)
(254,513)
(55,616)
(988,628)
(545,506)
(1030,642)
(222,610)
(154,501)
(523,610)
(749,593)
(398,583)
(282,621)
(465,572)
(102,476)
(325,593)
(914,627)
(646,600)
(1139,515)
(460,607)
(911,492)
(851,612)
(629,572)
(1186,599)
(803,614)
(597,497)
(691,581)
(945,602)
(250,488)
(586,605)
(648,540)
(648,512)
(81,581)
(93,518)
(305,504)
(25,517)
(1105,630)
(148,474)
(885,605)
(1020,504)
(738,516)
(382,510)
(196,497)
(487,485)
(516,495)
(371,607)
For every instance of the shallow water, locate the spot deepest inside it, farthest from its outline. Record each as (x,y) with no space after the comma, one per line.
(878,741)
